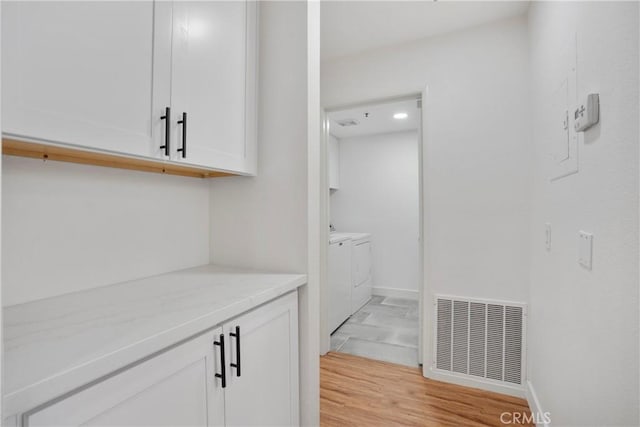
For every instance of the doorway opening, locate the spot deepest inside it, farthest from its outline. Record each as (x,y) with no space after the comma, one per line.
(374,274)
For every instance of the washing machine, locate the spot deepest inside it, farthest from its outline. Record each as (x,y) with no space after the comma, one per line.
(361,282)
(339,280)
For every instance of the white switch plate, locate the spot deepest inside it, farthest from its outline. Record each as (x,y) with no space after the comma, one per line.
(587,113)
(585,243)
(547,236)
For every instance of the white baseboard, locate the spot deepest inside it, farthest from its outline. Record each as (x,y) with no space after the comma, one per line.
(541,418)
(467,381)
(396,293)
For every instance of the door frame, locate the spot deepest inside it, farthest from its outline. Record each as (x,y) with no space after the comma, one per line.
(424,291)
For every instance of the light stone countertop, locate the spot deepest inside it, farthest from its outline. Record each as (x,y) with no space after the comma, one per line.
(55,345)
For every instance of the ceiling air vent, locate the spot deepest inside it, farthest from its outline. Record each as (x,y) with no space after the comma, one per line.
(348,122)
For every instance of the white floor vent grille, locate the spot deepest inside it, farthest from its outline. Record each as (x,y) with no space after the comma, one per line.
(483,339)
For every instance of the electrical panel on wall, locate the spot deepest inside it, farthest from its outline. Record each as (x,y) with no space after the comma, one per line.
(564,146)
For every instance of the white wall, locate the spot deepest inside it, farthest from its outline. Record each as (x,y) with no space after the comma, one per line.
(1,299)
(477,158)
(379,195)
(69,227)
(317,229)
(583,325)
(262,222)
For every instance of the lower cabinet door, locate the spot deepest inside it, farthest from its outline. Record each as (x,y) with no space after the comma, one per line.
(262,389)
(175,388)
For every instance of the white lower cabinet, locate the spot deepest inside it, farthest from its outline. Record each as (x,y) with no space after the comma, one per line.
(192,384)
(176,387)
(266,391)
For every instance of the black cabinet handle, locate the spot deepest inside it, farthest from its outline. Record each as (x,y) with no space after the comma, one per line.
(236,335)
(183,122)
(167,130)
(223,374)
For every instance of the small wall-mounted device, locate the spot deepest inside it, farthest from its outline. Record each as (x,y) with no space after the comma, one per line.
(585,251)
(588,113)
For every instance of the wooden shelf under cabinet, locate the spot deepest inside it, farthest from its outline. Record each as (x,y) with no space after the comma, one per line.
(14,147)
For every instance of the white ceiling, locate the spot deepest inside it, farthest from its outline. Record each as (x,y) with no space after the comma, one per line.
(350,27)
(380,119)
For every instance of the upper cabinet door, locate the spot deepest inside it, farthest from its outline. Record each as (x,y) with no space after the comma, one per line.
(82,73)
(334,163)
(214,83)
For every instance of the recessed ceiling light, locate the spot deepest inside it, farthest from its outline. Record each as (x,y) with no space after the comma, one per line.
(400,116)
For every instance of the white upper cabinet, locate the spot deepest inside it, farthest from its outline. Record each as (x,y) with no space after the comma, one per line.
(213,82)
(334,163)
(81,73)
(102,75)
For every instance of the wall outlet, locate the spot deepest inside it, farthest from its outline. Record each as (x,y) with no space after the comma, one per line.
(585,251)
(547,236)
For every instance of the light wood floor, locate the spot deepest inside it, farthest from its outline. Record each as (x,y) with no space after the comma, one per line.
(355,391)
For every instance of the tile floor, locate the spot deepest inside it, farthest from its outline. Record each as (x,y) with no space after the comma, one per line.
(384,329)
